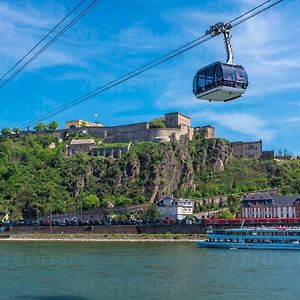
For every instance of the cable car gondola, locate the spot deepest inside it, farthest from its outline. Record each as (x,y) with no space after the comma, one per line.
(221,81)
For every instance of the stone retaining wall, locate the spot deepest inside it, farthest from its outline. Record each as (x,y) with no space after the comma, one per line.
(125,229)
(75,230)
(111,229)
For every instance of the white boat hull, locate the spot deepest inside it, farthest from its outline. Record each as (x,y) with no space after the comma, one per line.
(262,246)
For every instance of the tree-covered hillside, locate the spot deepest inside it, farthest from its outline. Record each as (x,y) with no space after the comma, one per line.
(36,180)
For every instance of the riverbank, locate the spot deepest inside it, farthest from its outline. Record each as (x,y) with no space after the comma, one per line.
(107,237)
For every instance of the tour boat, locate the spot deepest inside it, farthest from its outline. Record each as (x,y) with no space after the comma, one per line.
(278,238)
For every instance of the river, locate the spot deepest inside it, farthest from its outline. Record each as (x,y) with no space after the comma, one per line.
(135,270)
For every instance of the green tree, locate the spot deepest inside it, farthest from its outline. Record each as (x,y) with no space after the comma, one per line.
(226,214)
(6,131)
(16,130)
(40,126)
(2,209)
(152,213)
(53,125)
(157,123)
(121,216)
(122,200)
(90,201)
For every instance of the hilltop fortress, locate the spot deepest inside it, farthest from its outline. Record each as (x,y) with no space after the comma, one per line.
(159,130)
(172,126)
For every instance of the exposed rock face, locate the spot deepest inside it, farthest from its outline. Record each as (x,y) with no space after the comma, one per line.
(160,169)
(219,166)
(82,181)
(175,172)
(218,149)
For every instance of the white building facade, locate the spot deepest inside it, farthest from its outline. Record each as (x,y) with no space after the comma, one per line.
(173,208)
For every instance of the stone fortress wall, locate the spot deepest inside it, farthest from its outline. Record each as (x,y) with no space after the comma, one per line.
(137,132)
(177,125)
(148,135)
(129,133)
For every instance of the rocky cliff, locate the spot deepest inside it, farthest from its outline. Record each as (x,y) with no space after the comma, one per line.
(155,170)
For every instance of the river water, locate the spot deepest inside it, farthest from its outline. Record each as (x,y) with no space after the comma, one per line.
(106,270)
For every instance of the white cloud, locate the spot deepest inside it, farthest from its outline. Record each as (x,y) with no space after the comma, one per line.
(139,38)
(22,26)
(26,17)
(174,98)
(267,47)
(86,48)
(246,124)
(290,120)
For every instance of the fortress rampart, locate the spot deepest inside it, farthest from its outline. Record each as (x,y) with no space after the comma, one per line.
(138,132)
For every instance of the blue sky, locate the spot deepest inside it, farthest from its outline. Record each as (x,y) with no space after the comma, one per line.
(118,36)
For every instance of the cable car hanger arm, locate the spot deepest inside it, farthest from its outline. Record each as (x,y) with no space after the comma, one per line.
(223,28)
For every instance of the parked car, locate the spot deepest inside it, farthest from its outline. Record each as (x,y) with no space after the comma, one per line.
(28,223)
(36,223)
(122,222)
(164,220)
(55,223)
(83,222)
(46,223)
(74,223)
(115,222)
(133,222)
(62,223)
(90,222)
(68,222)
(187,221)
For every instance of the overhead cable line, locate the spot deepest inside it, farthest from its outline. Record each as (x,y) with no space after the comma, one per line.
(233,23)
(256,13)
(250,11)
(41,40)
(59,34)
(119,80)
